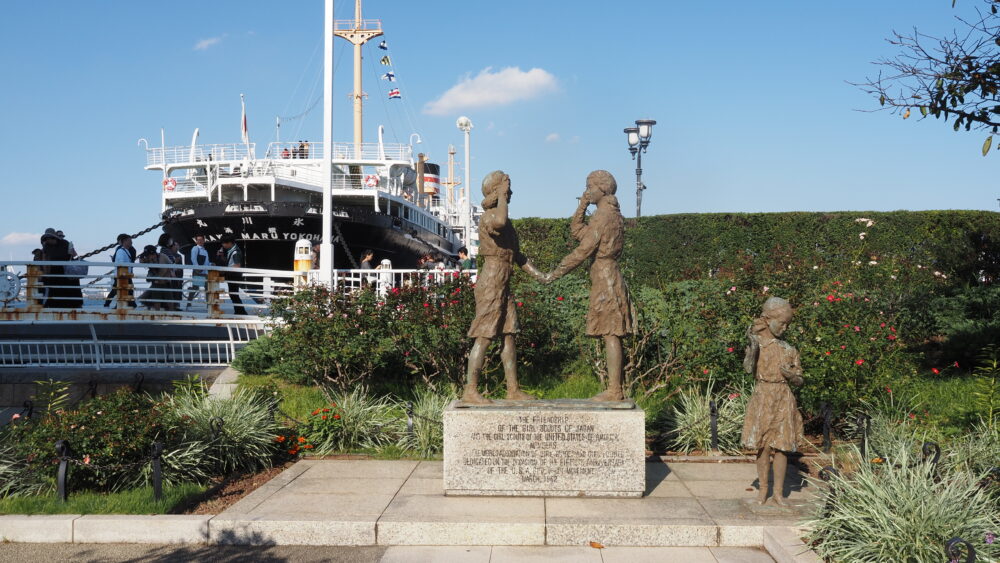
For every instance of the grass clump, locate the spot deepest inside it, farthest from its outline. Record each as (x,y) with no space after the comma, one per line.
(131,501)
(690,422)
(900,510)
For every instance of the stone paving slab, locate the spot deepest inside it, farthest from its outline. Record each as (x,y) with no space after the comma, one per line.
(657,554)
(431,520)
(436,554)
(522,554)
(363,502)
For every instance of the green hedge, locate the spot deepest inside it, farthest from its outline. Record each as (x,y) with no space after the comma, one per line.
(666,248)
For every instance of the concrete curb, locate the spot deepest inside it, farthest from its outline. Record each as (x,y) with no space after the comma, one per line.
(785,546)
(783,543)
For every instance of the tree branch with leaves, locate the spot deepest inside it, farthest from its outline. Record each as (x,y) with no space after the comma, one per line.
(955,77)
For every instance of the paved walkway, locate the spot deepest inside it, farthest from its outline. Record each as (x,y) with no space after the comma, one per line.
(707,506)
(118,552)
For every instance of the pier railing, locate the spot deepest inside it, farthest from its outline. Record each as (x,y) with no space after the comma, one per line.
(95,291)
(115,315)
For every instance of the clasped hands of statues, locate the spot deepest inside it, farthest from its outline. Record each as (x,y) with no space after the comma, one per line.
(547,278)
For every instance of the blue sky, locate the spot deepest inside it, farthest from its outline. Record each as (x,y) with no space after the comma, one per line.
(752,100)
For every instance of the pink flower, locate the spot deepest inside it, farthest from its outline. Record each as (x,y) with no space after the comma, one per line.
(955,364)
(705,371)
(912,416)
(733,396)
(842,347)
(891,337)
(935,371)
(15,417)
(857,328)
(830,298)
(86,460)
(559,298)
(827,352)
(730,349)
(427,304)
(881,325)
(888,389)
(520,304)
(859,361)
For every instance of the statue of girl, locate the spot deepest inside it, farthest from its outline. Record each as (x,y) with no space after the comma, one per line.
(773,425)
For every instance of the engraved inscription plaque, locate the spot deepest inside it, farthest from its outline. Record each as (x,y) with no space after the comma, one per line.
(543,448)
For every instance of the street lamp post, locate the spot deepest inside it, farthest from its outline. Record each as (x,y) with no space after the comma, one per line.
(638,140)
(464,125)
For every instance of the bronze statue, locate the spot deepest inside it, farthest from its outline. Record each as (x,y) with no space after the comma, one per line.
(610,315)
(773,425)
(495,310)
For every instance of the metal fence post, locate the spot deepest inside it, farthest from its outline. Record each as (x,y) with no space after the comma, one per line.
(213,286)
(827,412)
(32,288)
(953,550)
(63,451)
(864,425)
(155,460)
(713,409)
(29,408)
(409,419)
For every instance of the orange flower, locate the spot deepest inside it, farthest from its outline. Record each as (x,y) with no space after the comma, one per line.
(315,412)
(302,439)
(326,410)
(279,439)
(336,416)
(308,446)
(293,451)
(324,417)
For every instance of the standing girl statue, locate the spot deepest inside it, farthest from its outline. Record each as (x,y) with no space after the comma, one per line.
(773,425)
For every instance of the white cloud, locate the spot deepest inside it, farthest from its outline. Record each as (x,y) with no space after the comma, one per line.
(552,138)
(206,43)
(490,88)
(12,239)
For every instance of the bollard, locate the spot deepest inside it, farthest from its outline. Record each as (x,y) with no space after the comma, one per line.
(139,378)
(92,388)
(63,451)
(155,460)
(827,412)
(29,408)
(714,424)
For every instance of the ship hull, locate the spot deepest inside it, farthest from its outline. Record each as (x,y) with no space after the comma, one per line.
(267,232)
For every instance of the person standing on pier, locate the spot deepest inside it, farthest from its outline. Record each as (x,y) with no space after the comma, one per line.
(232,257)
(124,254)
(198,257)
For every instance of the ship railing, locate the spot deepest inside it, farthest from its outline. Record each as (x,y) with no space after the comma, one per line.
(341,151)
(351,25)
(187,187)
(112,291)
(159,156)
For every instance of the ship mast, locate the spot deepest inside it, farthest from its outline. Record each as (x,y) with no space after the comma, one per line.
(358,32)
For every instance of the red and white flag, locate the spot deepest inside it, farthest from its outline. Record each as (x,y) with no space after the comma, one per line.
(243,122)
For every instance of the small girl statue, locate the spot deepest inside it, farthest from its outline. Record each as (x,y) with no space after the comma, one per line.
(773,425)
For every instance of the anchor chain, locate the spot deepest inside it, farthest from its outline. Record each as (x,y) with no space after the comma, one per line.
(347,251)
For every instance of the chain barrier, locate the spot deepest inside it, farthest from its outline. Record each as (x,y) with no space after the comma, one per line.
(67,457)
(135,236)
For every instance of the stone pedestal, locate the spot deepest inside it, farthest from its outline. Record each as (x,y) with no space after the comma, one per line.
(569,447)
